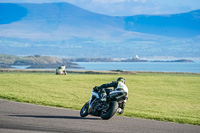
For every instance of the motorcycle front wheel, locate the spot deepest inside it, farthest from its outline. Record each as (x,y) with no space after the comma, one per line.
(111,111)
(84,110)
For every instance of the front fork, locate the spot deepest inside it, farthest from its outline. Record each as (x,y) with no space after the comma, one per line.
(93,98)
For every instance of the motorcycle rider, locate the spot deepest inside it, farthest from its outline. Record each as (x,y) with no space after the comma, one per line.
(119,84)
(61,70)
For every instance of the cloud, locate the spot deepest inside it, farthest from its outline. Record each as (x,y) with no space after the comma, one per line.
(116,1)
(126,7)
(135,7)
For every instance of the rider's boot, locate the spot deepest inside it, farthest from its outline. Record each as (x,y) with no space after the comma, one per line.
(120,110)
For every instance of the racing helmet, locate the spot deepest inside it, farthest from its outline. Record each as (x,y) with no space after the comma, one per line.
(120,79)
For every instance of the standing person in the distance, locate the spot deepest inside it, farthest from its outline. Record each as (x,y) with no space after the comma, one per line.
(119,84)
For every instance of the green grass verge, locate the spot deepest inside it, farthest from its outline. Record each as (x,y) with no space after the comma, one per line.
(164,97)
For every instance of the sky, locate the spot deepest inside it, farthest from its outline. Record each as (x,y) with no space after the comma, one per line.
(126,7)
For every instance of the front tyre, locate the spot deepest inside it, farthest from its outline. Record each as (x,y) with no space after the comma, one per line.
(111,111)
(84,110)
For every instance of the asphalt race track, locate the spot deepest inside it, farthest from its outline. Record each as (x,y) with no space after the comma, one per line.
(28,118)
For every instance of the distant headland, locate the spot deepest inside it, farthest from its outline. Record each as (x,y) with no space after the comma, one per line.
(39,61)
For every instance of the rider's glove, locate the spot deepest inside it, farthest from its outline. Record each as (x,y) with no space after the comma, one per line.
(96,88)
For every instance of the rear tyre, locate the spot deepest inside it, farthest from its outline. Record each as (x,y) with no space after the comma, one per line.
(110,112)
(84,110)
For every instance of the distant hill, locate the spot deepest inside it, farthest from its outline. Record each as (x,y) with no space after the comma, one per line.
(62,29)
(175,25)
(36,61)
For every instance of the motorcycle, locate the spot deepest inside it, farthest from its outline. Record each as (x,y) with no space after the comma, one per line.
(104,109)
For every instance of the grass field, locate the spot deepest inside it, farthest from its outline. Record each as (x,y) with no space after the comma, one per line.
(165,97)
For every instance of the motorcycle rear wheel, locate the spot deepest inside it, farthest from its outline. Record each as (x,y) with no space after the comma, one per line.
(84,110)
(110,112)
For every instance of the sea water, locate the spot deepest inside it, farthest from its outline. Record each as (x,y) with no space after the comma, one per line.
(190,67)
